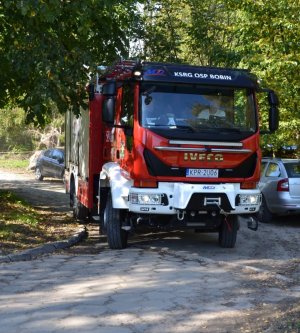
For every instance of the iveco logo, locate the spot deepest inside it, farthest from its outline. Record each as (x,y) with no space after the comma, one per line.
(208,187)
(203,157)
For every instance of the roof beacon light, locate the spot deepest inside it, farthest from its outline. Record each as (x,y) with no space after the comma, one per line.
(137,73)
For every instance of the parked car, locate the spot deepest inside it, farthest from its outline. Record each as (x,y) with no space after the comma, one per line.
(280,187)
(50,163)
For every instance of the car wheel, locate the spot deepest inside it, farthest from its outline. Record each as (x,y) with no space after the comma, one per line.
(38,174)
(228,231)
(116,236)
(264,215)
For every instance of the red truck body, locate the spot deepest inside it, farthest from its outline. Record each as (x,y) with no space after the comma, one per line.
(170,146)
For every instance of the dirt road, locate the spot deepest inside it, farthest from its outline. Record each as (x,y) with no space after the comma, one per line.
(254,287)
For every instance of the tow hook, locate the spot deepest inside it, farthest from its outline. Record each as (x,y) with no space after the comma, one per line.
(252,223)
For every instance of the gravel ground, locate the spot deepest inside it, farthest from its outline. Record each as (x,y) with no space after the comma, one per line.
(266,262)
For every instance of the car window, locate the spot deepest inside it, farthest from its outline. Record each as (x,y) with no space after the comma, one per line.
(47,153)
(57,155)
(273,170)
(263,166)
(61,157)
(293,169)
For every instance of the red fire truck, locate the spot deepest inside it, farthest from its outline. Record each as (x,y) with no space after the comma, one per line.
(168,146)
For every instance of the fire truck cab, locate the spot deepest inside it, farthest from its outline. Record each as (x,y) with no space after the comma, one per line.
(167,145)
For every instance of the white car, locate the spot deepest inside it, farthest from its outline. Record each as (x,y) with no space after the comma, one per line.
(280,187)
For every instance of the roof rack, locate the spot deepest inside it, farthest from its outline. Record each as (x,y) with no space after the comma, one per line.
(121,69)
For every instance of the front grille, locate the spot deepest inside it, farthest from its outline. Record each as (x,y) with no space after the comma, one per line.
(156,167)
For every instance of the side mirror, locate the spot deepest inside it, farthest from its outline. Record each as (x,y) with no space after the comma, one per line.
(108,113)
(273,112)
(109,89)
(273,99)
(273,118)
(270,100)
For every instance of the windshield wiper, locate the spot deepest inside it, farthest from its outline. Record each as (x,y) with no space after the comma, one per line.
(235,130)
(185,127)
(181,127)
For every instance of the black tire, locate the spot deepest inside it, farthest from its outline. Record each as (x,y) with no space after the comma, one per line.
(38,174)
(116,236)
(264,215)
(102,194)
(228,231)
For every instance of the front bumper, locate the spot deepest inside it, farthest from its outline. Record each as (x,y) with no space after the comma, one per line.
(170,198)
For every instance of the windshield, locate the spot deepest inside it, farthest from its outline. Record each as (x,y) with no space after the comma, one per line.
(199,110)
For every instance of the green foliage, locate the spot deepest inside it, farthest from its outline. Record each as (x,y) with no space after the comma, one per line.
(269,35)
(18,136)
(13,163)
(22,213)
(210,39)
(257,35)
(164,30)
(193,31)
(14,133)
(44,45)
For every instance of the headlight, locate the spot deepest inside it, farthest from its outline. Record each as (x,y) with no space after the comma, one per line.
(145,199)
(249,199)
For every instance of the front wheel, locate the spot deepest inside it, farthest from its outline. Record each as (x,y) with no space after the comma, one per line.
(38,174)
(228,231)
(116,236)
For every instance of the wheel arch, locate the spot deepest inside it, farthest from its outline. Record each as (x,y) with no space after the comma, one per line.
(117,181)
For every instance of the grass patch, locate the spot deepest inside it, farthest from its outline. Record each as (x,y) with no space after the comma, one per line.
(13,163)
(15,209)
(22,226)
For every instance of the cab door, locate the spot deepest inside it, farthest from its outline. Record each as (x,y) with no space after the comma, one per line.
(126,120)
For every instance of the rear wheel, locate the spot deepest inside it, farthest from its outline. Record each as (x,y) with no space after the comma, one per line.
(264,215)
(38,174)
(116,236)
(228,231)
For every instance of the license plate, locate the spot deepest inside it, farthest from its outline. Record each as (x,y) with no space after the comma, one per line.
(204,173)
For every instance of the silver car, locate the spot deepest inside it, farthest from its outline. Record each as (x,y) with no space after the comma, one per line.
(280,187)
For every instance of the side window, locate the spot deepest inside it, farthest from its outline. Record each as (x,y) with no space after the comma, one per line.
(61,157)
(273,170)
(47,153)
(127,105)
(55,155)
(293,170)
(263,166)
(127,114)
(58,156)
